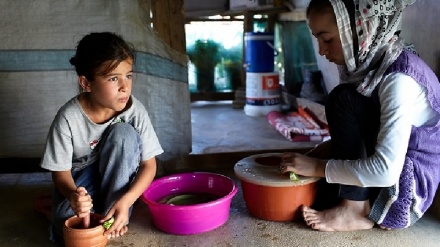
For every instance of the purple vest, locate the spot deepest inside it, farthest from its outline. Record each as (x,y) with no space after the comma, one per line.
(403,204)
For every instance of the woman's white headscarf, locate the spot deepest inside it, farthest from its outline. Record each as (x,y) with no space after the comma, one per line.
(377,25)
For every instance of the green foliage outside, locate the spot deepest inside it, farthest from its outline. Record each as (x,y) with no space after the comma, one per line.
(206,55)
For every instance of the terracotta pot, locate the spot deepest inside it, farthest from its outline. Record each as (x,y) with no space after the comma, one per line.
(75,236)
(268,194)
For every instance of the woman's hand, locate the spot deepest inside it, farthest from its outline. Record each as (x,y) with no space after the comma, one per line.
(81,202)
(302,165)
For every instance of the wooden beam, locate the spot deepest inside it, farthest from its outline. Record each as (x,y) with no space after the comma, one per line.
(220,161)
(263,10)
(20,165)
(177,25)
(169,22)
(212,96)
(191,162)
(161,16)
(271,20)
(248,26)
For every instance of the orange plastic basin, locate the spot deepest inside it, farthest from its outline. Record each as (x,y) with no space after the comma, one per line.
(268,194)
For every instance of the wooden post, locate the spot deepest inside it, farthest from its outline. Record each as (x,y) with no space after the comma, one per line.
(169,22)
(271,20)
(248,26)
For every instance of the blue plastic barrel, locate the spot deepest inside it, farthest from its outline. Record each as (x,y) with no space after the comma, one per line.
(259,52)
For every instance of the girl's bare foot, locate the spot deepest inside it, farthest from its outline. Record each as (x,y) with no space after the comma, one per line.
(115,234)
(347,216)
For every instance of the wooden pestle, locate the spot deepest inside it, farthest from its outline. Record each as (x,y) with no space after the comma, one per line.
(86,219)
(86,222)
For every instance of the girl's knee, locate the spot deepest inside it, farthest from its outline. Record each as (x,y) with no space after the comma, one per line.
(121,131)
(121,136)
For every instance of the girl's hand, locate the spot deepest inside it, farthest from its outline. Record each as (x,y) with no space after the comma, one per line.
(302,165)
(120,213)
(81,202)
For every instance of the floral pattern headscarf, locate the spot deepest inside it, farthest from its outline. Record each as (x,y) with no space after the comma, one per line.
(377,24)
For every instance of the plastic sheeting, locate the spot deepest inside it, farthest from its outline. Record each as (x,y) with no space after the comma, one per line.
(299,54)
(37,39)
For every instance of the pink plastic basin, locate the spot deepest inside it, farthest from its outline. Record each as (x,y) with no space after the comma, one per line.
(190,219)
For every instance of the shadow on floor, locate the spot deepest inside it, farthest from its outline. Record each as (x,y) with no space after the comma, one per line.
(21,225)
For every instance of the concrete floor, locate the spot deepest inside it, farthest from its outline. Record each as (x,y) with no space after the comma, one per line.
(20,225)
(217,128)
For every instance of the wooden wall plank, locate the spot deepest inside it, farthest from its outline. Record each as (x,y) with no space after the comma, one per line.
(177,25)
(169,22)
(161,16)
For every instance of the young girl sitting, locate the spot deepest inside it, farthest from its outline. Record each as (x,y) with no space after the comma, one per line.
(381,165)
(101,146)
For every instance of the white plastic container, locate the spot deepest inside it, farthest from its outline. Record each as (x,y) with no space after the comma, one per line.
(262,93)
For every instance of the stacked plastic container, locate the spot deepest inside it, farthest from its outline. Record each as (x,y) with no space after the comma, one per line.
(262,82)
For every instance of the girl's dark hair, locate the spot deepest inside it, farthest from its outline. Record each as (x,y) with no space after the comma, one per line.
(95,49)
(319,6)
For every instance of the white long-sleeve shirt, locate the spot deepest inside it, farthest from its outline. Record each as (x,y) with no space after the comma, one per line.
(404,104)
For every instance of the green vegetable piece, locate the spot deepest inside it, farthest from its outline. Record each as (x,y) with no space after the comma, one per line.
(107,224)
(181,199)
(293,176)
(190,199)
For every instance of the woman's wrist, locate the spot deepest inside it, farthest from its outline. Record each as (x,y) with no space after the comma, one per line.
(321,168)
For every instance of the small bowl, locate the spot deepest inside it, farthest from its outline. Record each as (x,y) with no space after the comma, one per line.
(194,218)
(75,236)
(268,194)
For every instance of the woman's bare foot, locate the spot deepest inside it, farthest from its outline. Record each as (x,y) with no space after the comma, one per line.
(347,216)
(115,234)
(385,228)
